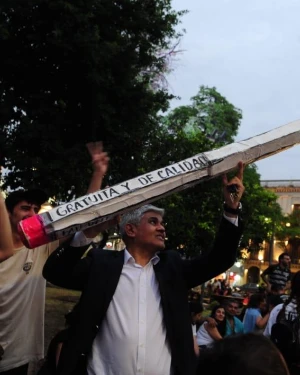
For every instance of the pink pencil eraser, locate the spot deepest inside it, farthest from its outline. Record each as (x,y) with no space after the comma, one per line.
(32,232)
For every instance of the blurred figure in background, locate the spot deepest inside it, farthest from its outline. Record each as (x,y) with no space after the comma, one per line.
(256,317)
(278,274)
(208,334)
(233,324)
(243,354)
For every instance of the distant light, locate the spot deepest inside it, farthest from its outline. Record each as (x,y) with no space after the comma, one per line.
(238,264)
(108,244)
(45,207)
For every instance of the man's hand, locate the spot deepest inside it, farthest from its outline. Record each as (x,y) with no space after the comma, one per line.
(234,189)
(211,322)
(100,165)
(99,158)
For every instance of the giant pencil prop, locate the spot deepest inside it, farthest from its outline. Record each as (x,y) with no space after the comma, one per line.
(102,205)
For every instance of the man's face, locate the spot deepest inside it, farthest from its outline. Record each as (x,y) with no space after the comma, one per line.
(232,308)
(22,211)
(150,233)
(285,261)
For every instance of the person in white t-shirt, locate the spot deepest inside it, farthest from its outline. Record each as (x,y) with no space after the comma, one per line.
(6,242)
(22,286)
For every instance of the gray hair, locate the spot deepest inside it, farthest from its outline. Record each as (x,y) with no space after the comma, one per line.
(135,216)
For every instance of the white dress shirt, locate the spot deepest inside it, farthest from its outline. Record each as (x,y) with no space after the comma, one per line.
(132,337)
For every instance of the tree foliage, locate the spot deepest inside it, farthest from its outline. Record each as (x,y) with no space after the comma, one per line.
(262,214)
(194,214)
(78,71)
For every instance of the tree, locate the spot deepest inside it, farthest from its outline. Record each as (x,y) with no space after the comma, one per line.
(78,71)
(195,213)
(262,214)
(215,116)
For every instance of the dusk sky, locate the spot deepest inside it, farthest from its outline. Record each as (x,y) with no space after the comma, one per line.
(249,51)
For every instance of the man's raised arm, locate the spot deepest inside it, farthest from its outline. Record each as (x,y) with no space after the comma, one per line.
(6,241)
(225,247)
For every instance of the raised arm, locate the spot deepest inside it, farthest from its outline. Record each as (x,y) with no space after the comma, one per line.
(6,241)
(224,251)
(100,162)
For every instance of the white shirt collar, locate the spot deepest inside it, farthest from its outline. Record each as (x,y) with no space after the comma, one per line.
(128,257)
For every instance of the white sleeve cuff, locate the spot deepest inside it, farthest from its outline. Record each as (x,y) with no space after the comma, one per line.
(80,239)
(233,220)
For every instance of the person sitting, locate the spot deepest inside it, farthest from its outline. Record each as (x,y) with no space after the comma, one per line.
(233,324)
(208,334)
(254,320)
(196,309)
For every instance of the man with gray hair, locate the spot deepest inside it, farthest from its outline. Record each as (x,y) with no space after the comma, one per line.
(133,316)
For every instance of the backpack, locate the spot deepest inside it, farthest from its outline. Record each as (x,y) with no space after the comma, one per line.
(285,335)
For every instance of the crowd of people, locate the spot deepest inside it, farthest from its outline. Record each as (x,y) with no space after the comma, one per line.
(261,316)
(133,316)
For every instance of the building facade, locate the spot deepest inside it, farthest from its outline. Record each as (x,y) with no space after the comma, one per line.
(288,193)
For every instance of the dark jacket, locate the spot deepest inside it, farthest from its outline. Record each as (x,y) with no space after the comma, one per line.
(97,276)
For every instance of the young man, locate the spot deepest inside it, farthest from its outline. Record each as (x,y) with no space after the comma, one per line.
(233,324)
(196,309)
(278,274)
(6,242)
(289,346)
(133,316)
(22,286)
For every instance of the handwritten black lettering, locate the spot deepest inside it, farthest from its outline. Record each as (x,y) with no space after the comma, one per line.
(143,181)
(125,185)
(188,165)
